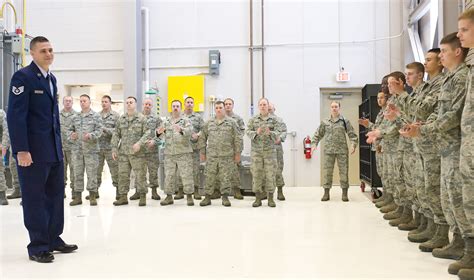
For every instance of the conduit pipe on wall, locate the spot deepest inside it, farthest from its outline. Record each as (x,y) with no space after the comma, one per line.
(251,57)
(146,37)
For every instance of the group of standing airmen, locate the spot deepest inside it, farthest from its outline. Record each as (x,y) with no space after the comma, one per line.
(424,150)
(131,143)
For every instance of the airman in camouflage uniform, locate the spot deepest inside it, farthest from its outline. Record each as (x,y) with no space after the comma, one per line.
(109,121)
(279,182)
(11,163)
(65,117)
(334,130)
(84,132)
(3,183)
(197,122)
(177,131)
(445,122)
(219,144)
(128,147)
(235,179)
(263,131)
(465,25)
(151,149)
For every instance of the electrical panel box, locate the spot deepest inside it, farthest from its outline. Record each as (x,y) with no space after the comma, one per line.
(16,45)
(214,62)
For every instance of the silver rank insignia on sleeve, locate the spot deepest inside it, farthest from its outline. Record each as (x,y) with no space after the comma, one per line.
(18,90)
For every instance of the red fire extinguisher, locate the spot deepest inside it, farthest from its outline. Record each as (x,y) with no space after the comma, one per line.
(307,147)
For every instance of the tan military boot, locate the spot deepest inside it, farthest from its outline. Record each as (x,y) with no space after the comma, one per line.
(454,250)
(189,200)
(345,198)
(406,217)
(123,200)
(414,224)
(179,195)
(206,201)
(258,200)
(168,200)
(196,193)
(216,194)
(381,198)
(466,274)
(467,260)
(421,227)
(15,194)
(96,195)
(3,199)
(271,202)
(280,195)
(439,240)
(397,213)
(142,201)
(225,200)
(425,235)
(392,206)
(93,199)
(238,194)
(77,199)
(135,196)
(387,200)
(154,194)
(326,195)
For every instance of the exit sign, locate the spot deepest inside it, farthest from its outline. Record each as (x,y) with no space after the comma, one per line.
(343,76)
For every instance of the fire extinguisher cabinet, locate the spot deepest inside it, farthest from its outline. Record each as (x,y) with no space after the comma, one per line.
(369,110)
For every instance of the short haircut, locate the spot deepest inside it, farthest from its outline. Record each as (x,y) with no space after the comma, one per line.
(231,100)
(453,40)
(399,76)
(337,102)
(467,14)
(108,97)
(263,98)
(85,95)
(176,100)
(67,96)
(36,40)
(416,66)
(434,50)
(219,103)
(189,97)
(132,97)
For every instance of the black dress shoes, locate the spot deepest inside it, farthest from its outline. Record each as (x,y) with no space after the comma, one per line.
(42,257)
(66,248)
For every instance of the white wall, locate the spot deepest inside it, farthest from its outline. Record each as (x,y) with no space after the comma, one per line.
(293,75)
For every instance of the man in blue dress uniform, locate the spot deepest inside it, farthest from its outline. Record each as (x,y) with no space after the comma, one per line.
(33,123)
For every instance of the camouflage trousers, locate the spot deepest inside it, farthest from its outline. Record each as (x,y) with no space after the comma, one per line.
(467,180)
(452,194)
(403,174)
(262,168)
(328,169)
(219,171)
(14,172)
(279,181)
(106,155)
(235,178)
(430,195)
(379,167)
(87,162)
(152,163)
(196,163)
(68,162)
(180,166)
(412,177)
(3,182)
(395,180)
(127,163)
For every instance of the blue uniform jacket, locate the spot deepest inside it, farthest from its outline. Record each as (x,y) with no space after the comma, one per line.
(33,115)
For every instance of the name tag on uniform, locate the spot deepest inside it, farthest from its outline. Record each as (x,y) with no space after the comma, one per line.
(37,91)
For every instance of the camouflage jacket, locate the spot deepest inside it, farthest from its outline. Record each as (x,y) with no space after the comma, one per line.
(129,131)
(264,143)
(65,119)
(334,135)
(372,126)
(467,119)
(153,123)
(446,119)
(3,121)
(390,134)
(282,128)
(109,121)
(177,143)
(404,144)
(220,138)
(81,123)
(197,122)
(241,125)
